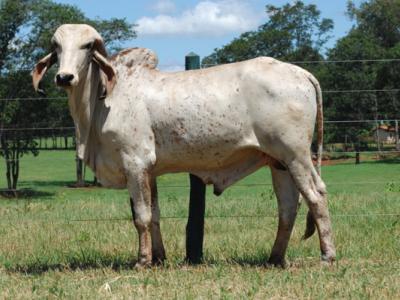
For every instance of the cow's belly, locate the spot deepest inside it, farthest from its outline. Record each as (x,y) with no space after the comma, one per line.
(203,150)
(221,166)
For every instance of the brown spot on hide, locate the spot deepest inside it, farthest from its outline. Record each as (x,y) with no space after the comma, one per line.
(130,64)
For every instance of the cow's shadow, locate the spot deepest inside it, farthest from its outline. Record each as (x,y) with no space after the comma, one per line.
(25,193)
(73,263)
(125,261)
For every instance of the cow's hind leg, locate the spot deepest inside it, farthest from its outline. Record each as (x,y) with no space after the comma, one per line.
(158,251)
(313,190)
(288,200)
(140,190)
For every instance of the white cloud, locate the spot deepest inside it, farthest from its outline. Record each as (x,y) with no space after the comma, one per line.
(215,18)
(164,6)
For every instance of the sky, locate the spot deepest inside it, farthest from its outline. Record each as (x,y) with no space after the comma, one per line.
(174,28)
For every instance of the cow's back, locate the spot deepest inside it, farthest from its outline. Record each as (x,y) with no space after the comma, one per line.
(204,117)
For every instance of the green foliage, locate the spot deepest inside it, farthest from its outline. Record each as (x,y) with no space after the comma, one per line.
(12,15)
(378,18)
(114,31)
(375,36)
(351,76)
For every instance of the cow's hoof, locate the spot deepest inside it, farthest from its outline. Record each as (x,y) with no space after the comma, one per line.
(327,260)
(143,263)
(277,262)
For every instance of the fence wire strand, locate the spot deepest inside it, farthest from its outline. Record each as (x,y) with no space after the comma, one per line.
(72,127)
(324,92)
(129,219)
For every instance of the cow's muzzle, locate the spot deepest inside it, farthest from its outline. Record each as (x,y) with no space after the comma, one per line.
(64,79)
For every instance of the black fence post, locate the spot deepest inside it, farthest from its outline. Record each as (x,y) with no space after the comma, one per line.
(197,205)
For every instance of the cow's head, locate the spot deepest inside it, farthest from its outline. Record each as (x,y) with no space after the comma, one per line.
(75,47)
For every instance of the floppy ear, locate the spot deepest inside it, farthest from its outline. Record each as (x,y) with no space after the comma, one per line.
(108,69)
(40,69)
(99,46)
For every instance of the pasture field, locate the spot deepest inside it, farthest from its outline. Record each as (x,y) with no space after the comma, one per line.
(59,242)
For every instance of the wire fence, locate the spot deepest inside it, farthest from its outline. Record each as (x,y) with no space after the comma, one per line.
(184,218)
(302,62)
(380,121)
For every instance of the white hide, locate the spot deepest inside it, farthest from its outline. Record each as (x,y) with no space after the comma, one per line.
(220,124)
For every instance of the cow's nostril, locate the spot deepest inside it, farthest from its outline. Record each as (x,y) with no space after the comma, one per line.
(64,79)
(69,77)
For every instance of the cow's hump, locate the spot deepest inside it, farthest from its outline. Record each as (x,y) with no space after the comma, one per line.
(135,57)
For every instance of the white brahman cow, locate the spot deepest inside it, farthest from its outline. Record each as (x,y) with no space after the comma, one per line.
(134,123)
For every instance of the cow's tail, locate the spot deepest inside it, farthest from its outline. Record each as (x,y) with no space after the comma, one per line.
(310,224)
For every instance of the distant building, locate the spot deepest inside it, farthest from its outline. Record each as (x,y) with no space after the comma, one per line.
(386,134)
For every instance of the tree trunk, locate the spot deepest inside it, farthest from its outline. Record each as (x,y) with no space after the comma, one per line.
(15,174)
(357,148)
(8,173)
(397,135)
(8,162)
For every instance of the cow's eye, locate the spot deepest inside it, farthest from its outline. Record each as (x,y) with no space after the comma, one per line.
(87,46)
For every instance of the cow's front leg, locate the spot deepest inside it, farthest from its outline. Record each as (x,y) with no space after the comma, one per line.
(157,244)
(140,191)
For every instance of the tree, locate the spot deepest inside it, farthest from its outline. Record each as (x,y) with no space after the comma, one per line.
(351,76)
(293,32)
(380,19)
(12,16)
(26,27)
(374,36)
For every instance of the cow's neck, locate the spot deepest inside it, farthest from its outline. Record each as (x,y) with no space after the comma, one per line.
(82,101)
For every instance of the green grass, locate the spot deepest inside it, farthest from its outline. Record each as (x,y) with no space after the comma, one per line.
(51,245)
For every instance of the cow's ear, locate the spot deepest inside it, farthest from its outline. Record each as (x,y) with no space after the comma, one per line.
(41,68)
(108,70)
